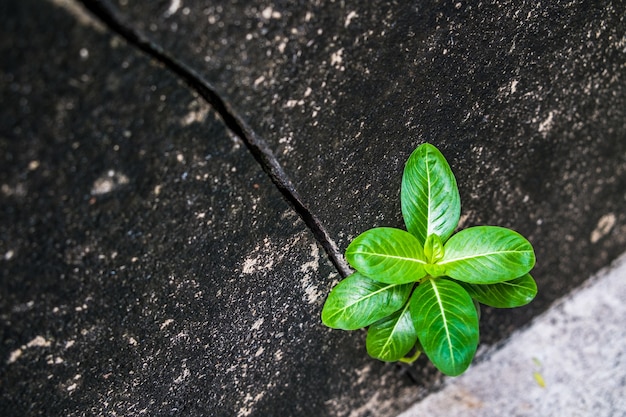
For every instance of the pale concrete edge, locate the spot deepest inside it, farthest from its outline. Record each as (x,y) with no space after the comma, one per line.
(460,399)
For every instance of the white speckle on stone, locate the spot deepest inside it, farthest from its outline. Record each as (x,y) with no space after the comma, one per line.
(605,224)
(308,269)
(198,113)
(38,341)
(109,182)
(282,46)
(183,375)
(261,258)
(269,13)
(363,374)
(312,265)
(132,341)
(84,53)
(33,165)
(336,59)
(259,352)
(166,323)
(349,18)
(248,404)
(69,344)
(278,355)
(546,125)
(15,355)
(174,6)
(249,266)
(19,190)
(514,86)
(8,255)
(257,324)
(72,387)
(259,80)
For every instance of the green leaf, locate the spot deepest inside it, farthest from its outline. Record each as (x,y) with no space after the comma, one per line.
(430,198)
(393,337)
(487,255)
(507,294)
(446,323)
(358,301)
(433,249)
(388,255)
(435,270)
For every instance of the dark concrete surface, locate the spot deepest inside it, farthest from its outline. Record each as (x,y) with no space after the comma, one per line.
(526,100)
(149,266)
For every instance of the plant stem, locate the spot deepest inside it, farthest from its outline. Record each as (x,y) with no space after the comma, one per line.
(411,359)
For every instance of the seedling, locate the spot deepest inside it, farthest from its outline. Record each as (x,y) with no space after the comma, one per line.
(419,290)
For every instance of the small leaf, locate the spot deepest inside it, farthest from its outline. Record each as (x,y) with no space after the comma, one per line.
(435,270)
(507,294)
(388,255)
(446,323)
(539,379)
(393,337)
(433,249)
(429,196)
(487,255)
(358,301)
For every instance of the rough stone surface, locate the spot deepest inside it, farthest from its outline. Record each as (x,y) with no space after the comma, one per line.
(527,100)
(147,264)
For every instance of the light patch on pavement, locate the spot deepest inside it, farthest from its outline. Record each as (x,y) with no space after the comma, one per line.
(109,182)
(571,361)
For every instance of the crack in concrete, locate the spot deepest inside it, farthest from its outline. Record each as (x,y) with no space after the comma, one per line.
(255,143)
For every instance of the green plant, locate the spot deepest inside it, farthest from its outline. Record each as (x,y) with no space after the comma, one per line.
(419,290)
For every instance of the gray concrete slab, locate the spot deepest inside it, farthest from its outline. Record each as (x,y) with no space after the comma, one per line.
(571,361)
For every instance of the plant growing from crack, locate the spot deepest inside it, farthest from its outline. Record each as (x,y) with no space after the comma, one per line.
(419,290)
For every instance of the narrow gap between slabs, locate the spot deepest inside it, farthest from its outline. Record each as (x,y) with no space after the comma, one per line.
(259,148)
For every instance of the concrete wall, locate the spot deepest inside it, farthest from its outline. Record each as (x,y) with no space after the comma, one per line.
(150,265)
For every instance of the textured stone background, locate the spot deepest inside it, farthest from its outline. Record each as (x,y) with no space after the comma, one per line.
(150,266)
